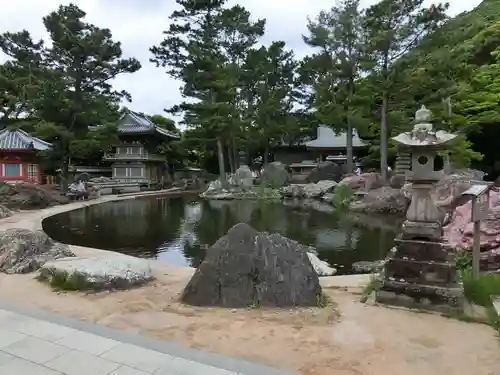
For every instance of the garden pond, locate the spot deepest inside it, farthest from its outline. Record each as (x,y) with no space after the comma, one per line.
(180,230)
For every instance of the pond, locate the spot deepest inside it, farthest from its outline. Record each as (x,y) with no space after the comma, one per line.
(180,230)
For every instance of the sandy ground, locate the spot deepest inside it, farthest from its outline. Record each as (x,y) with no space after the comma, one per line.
(345,338)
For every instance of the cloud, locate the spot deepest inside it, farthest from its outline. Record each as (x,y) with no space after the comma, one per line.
(139,25)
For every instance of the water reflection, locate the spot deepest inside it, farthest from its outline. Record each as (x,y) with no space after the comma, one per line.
(180,230)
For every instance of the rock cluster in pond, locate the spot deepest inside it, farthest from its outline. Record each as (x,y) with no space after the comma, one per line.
(247,268)
(242,178)
(23,251)
(384,200)
(321,267)
(115,271)
(275,175)
(30,196)
(325,171)
(312,190)
(5,212)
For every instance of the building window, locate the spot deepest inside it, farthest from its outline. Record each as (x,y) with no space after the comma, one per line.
(135,172)
(120,172)
(12,170)
(135,150)
(33,173)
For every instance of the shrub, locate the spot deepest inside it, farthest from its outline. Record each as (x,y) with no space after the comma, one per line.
(342,196)
(480,290)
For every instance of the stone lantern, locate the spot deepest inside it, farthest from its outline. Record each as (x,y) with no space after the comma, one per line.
(242,156)
(421,269)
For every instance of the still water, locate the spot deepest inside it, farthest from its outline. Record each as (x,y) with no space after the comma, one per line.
(180,230)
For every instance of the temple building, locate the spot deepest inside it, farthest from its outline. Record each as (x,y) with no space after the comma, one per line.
(19,157)
(134,159)
(326,146)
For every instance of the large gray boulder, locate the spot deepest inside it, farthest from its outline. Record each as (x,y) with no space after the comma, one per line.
(243,178)
(115,271)
(247,268)
(326,171)
(275,175)
(23,251)
(384,200)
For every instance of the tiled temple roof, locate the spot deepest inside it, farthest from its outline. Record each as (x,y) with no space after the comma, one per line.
(134,123)
(20,140)
(326,138)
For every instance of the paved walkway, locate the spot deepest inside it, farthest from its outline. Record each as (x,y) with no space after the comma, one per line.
(34,342)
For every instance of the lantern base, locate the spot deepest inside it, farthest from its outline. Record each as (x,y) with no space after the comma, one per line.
(418,230)
(424,297)
(421,274)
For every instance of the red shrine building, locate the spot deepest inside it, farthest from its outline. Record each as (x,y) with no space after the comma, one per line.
(19,161)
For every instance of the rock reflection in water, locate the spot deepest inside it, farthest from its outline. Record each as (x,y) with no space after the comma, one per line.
(179,230)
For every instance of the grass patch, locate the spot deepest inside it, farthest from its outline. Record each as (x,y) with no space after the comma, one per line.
(479,291)
(323,300)
(60,280)
(265,191)
(343,195)
(373,285)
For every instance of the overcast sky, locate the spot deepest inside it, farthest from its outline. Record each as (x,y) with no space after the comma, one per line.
(138,24)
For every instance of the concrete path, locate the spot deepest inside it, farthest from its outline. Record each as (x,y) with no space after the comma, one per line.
(34,342)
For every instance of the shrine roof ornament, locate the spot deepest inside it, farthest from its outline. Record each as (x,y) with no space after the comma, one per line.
(423,133)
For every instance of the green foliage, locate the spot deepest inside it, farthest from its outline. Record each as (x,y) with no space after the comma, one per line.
(72,78)
(392,28)
(463,259)
(338,35)
(480,290)
(343,195)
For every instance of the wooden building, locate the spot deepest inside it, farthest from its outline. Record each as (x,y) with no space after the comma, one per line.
(19,157)
(327,143)
(134,159)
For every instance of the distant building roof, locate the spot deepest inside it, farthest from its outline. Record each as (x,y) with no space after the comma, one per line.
(135,123)
(327,139)
(20,140)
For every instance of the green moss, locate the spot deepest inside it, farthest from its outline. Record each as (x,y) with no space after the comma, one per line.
(60,280)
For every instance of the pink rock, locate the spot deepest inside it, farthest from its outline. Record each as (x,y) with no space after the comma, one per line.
(365,181)
(459,232)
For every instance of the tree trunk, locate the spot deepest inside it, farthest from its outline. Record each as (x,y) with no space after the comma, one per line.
(348,135)
(349,153)
(232,166)
(266,154)
(220,156)
(383,137)
(65,174)
(235,155)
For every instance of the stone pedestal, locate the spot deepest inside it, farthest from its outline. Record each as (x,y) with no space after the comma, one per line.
(421,274)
